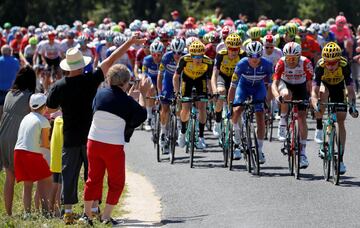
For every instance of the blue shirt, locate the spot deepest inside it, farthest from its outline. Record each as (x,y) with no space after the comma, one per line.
(252,76)
(150,68)
(9,66)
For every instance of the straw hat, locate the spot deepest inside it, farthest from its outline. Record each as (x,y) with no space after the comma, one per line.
(74,60)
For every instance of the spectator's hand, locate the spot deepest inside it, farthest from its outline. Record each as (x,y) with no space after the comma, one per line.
(144,85)
(137,40)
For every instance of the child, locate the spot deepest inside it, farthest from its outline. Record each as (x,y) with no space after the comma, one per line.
(29,164)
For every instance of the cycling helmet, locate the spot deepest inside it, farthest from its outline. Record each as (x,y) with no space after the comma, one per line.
(263,32)
(269,40)
(177,44)
(201,32)
(331,51)
(109,36)
(291,29)
(188,25)
(243,27)
(7,25)
(157,47)
(107,20)
(340,20)
(281,30)
(161,22)
(33,41)
(292,48)
(116,28)
(254,48)
(241,33)
(191,32)
(324,28)
(302,29)
(225,32)
(197,48)
(315,26)
(119,40)
(81,39)
(190,40)
(254,33)
(233,41)
(274,29)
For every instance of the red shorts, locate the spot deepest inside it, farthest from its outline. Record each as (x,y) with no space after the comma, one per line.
(30,166)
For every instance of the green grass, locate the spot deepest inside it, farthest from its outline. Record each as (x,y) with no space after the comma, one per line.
(37,220)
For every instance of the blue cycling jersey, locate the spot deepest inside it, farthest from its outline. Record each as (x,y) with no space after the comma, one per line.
(244,73)
(150,68)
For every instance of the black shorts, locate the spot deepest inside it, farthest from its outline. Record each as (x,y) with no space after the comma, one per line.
(57,178)
(337,95)
(223,81)
(53,62)
(188,84)
(298,92)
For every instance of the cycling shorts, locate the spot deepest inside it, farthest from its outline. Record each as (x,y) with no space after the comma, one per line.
(245,90)
(298,92)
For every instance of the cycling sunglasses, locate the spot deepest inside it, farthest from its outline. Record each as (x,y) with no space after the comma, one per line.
(234,49)
(177,53)
(269,47)
(197,56)
(255,56)
(291,58)
(156,54)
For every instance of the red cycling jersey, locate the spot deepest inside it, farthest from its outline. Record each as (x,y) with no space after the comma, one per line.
(301,73)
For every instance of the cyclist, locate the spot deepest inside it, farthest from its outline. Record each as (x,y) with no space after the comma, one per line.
(254,34)
(332,77)
(30,50)
(325,35)
(271,52)
(151,68)
(213,39)
(195,70)
(165,86)
(224,67)
(102,48)
(50,53)
(309,46)
(67,43)
(142,52)
(249,79)
(86,51)
(225,31)
(291,30)
(292,81)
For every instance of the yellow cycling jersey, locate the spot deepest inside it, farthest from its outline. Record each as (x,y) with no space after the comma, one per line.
(194,71)
(342,73)
(225,65)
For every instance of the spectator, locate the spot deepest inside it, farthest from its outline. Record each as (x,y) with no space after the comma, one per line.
(9,66)
(176,16)
(16,107)
(74,94)
(111,127)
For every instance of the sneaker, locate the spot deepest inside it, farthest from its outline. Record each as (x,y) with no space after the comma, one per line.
(200,144)
(304,163)
(237,137)
(262,159)
(147,126)
(112,222)
(69,218)
(342,168)
(282,133)
(321,153)
(162,140)
(97,214)
(318,136)
(237,154)
(181,140)
(217,130)
(85,220)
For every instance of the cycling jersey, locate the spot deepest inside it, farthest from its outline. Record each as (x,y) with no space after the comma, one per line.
(50,51)
(150,69)
(101,51)
(220,47)
(194,75)
(210,50)
(251,81)
(244,73)
(274,57)
(140,55)
(65,45)
(167,68)
(280,40)
(310,47)
(298,75)
(322,40)
(341,35)
(124,59)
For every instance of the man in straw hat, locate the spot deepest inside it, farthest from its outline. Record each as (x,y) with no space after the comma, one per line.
(74,94)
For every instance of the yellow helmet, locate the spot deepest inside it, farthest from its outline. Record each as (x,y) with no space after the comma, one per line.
(291,29)
(197,48)
(331,51)
(254,33)
(233,41)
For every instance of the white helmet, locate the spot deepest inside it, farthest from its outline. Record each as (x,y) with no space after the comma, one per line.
(324,28)
(119,40)
(157,47)
(177,45)
(254,48)
(292,48)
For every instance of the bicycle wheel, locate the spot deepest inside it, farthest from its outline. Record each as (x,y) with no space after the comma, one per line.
(271,126)
(248,146)
(192,142)
(266,125)
(328,151)
(157,135)
(231,148)
(335,160)
(255,154)
(209,116)
(172,138)
(296,149)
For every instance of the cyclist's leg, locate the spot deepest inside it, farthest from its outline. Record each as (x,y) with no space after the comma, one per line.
(241,94)
(201,90)
(341,116)
(186,89)
(287,95)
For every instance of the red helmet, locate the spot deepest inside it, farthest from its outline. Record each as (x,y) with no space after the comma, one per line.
(51,35)
(23,30)
(18,35)
(188,25)
(229,22)
(122,24)
(90,23)
(192,19)
(269,40)
(340,20)
(106,20)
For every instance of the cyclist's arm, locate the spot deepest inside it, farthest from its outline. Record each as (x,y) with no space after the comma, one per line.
(178,71)
(315,91)
(159,81)
(349,83)
(279,69)
(214,79)
(108,62)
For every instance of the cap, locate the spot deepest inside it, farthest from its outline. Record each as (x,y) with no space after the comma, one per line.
(37,100)
(175,13)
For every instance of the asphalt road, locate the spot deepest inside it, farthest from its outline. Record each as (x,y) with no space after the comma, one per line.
(209,195)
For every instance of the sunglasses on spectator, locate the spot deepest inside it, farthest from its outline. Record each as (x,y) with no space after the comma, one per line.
(234,49)
(197,56)
(254,56)
(331,63)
